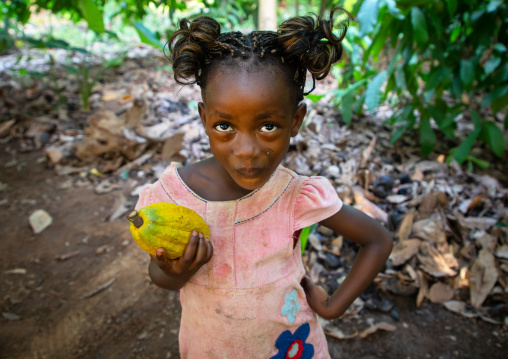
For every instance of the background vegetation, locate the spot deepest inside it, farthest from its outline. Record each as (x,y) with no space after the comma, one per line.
(434,62)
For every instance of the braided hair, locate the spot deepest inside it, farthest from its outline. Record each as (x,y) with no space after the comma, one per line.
(301,44)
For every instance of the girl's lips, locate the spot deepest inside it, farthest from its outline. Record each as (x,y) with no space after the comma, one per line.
(249,172)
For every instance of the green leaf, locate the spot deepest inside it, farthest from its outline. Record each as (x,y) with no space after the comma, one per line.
(315,98)
(373,93)
(491,64)
(493,5)
(427,136)
(451,5)
(347,107)
(465,147)
(379,41)
(499,47)
(436,77)
(146,36)
(494,95)
(367,16)
(397,134)
(400,78)
(72,70)
(467,72)
(477,121)
(494,137)
(499,103)
(419,26)
(92,15)
(480,163)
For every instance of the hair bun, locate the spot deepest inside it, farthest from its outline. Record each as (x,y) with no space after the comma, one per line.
(187,47)
(311,42)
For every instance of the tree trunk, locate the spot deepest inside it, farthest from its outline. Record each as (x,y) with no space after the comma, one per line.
(322,8)
(267,11)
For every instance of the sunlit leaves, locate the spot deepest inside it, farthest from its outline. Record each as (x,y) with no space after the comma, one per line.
(367,16)
(92,15)
(373,93)
(146,36)
(419,26)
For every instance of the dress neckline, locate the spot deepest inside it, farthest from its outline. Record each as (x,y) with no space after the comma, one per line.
(267,184)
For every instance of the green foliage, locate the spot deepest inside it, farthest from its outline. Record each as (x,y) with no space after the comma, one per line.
(439,57)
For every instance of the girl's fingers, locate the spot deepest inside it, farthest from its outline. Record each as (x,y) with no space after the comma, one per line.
(189,252)
(201,251)
(209,251)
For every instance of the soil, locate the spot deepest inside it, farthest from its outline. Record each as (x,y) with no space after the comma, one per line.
(56,308)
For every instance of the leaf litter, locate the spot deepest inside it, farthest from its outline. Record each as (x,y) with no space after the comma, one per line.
(449,225)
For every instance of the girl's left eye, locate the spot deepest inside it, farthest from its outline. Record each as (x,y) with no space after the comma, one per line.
(268,127)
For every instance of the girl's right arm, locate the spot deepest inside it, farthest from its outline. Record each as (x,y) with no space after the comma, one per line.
(172,274)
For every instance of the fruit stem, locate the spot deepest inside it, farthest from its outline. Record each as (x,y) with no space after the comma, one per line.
(135,219)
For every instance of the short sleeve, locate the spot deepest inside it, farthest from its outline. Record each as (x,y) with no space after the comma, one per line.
(316,201)
(145,197)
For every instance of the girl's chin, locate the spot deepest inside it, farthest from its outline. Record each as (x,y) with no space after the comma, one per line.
(250,184)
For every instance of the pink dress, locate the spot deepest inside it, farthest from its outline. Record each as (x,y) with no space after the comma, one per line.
(247,301)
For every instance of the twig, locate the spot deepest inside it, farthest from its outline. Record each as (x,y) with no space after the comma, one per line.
(99,289)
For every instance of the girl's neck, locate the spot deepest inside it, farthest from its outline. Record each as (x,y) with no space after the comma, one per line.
(209,180)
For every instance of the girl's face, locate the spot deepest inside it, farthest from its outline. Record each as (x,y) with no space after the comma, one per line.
(249,118)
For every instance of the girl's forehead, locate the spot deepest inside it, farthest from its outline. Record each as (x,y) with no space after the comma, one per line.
(260,79)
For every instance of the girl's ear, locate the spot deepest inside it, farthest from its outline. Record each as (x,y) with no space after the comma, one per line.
(300,113)
(202,114)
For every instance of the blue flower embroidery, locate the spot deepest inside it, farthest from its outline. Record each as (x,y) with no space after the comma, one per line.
(293,346)
(291,306)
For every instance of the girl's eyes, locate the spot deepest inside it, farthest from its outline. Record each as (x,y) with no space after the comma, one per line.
(223,127)
(268,127)
(226,127)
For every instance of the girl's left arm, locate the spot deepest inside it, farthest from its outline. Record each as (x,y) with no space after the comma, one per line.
(376,244)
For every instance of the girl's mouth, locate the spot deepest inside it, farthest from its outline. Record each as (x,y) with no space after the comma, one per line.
(249,171)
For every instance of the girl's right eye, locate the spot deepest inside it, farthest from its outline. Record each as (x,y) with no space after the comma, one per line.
(223,127)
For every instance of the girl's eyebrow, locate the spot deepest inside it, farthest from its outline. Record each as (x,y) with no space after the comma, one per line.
(262,116)
(222,115)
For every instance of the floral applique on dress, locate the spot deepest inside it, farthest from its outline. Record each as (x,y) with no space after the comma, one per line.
(293,346)
(291,306)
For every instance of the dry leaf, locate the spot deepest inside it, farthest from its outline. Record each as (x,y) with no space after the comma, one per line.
(459,307)
(430,229)
(368,151)
(403,251)
(484,240)
(432,262)
(482,277)
(406,225)
(368,207)
(172,147)
(378,326)
(424,289)
(476,201)
(502,252)
(440,292)
(428,205)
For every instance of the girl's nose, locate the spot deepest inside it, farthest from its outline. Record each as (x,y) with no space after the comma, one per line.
(246,146)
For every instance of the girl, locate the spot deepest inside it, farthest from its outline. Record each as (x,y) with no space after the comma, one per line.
(243,291)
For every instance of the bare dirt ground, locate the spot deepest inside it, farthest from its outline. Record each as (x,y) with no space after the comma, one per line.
(80,288)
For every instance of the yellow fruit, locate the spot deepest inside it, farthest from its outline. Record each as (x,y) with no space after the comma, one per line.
(165,225)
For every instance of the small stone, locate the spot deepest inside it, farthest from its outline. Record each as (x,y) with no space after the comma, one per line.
(405,178)
(40,220)
(10,316)
(386,181)
(394,313)
(327,232)
(333,171)
(380,192)
(331,261)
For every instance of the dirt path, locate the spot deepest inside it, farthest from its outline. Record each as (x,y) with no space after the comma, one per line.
(53,306)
